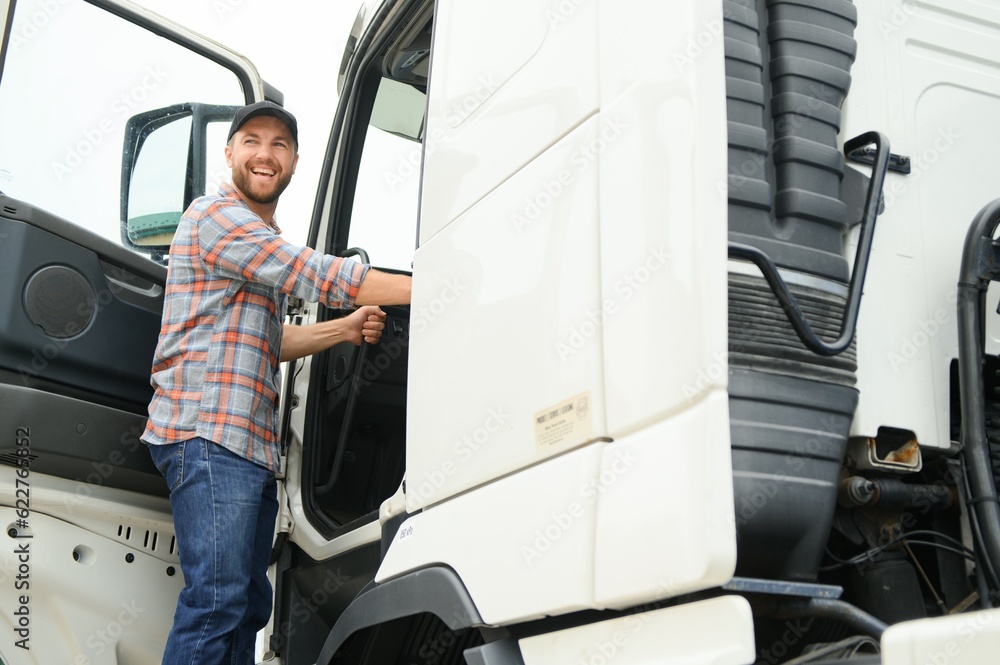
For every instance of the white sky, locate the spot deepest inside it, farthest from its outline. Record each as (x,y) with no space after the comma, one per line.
(297,47)
(61,143)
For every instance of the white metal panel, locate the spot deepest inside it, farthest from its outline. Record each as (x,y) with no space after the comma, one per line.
(496,298)
(663,208)
(711,632)
(965,639)
(536,526)
(608,525)
(926,76)
(507,81)
(670,488)
(98,608)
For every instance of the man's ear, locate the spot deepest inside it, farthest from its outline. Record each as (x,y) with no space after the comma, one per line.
(229,156)
(295,162)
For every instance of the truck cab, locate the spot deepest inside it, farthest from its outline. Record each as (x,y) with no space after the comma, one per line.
(637,410)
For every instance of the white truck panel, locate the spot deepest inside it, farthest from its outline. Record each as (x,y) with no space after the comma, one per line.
(563,532)
(522,545)
(491,86)
(663,227)
(494,302)
(932,83)
(669,487)
(711,632)
(966,639)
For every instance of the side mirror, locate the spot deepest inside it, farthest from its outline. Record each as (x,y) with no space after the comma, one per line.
(171,156)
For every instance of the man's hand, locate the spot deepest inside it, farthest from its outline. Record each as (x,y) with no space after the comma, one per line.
(366,323)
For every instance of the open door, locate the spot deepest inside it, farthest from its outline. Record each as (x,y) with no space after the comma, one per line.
(108,118)
(346,448)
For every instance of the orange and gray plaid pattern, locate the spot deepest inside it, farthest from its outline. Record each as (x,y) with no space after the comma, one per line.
(216,373)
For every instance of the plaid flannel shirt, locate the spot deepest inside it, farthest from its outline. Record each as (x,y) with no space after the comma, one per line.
(216,372)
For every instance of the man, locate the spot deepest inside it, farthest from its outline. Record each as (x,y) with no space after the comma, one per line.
(212,429)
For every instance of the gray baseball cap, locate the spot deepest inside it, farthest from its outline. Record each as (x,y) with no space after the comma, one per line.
(264,108)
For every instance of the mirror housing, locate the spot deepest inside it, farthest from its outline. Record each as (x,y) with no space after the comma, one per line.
(151,230)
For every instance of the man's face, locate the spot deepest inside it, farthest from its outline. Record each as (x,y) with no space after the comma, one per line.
(262,156)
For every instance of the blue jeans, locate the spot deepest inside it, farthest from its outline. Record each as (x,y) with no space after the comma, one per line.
(224,507)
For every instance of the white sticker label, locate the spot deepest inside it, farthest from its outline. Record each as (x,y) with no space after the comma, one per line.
(564,424)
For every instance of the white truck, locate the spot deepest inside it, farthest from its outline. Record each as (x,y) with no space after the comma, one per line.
(637,412)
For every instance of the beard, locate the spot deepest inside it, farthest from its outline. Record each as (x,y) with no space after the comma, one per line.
(259,194)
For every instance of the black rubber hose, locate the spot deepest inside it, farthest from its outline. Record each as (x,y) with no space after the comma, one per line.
(977,264)
(788,302)
(829,608)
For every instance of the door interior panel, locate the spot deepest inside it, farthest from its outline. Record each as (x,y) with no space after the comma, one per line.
(374,438)
(79,319)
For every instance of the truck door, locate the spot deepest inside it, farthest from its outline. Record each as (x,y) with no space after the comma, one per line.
(90,571)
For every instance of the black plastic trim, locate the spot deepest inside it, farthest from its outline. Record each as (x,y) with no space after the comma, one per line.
(743,52)
(501,652)
(740,15)
(108,251)
(438,591)
(829,75)
(788,301)
(813,35)
(841,8)
(748,137)
(80,440)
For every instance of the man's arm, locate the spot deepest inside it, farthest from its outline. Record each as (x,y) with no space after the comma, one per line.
(299,341)
(383,288)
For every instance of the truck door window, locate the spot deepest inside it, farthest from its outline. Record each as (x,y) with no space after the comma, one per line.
(61,149)
(384,215)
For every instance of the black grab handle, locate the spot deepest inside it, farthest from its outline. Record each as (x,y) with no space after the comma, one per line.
(777,284)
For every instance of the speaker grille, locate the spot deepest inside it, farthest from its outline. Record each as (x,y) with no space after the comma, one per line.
(60,301)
